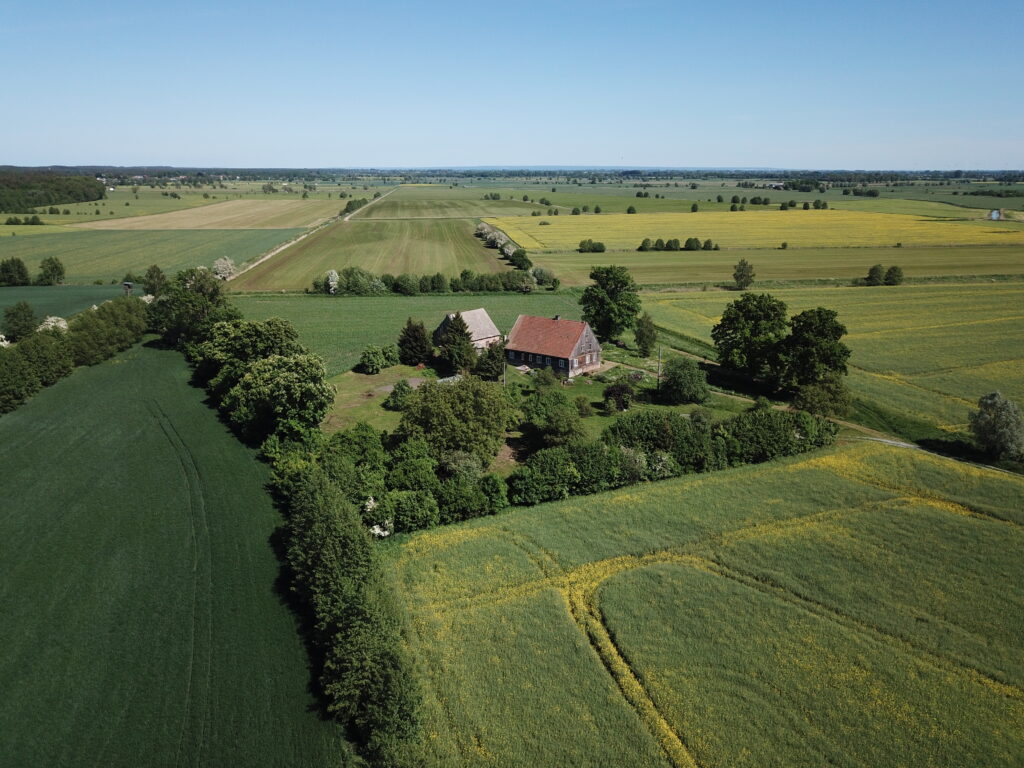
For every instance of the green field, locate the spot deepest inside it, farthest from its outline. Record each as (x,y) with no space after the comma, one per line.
(416,246)
(106,256)
(60,300)
(839,264)
(142,623)
(725,620)
(922,354)
(233,214)
(431,201)
(338,328)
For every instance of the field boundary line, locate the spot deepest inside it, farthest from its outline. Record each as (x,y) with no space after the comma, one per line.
(299,238)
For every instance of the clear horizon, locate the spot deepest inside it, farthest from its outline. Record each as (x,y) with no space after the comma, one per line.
(397,85)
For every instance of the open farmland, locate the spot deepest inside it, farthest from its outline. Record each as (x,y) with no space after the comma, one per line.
(60,300)
(433,201)
(841,265)
(758,229)
(108,255)
(727,620)
(142,622)
(417,246)
(922,354)
(338,327)
(233,214)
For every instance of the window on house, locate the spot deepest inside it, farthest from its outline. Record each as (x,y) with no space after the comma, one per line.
(561,363)
(547,360)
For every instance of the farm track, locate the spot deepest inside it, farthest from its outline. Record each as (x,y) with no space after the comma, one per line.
(580,588)
(322,225)
(201,567)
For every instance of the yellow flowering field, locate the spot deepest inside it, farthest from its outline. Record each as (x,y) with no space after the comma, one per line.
(756,229)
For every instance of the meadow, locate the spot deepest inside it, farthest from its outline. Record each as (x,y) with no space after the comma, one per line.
(60,300)
(922,354)
(841,265)
(418,246)
(338,327)
(89,256)
(757,229)
(143,620)
(725,620)
(412,201)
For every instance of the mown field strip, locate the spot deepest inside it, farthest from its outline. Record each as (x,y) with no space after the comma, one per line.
(230,214)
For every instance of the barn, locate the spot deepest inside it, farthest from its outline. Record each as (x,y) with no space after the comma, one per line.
(482,330)
(568,347)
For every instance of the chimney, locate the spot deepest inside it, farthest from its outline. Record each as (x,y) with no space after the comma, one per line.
(558,317)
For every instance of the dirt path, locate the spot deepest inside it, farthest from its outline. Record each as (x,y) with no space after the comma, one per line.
(284,246)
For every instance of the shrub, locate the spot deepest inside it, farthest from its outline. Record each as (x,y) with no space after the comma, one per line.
(683,381)
(408,510)
(618,396)
(399,396)
(893,276)
(373,360)
(547,475)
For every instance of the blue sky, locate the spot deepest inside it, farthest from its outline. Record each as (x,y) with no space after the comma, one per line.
(823,84)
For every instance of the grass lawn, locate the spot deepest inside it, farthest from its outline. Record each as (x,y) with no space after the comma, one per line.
(420,247)
(922,354)
(60,300)
(339,328)
(108,255)
(842,265)
(142,620)
(836,608)
(758,229)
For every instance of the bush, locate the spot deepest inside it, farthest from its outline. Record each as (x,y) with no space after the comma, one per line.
(683,381)
(618,396)
(548,475)
(375,359)
(893,276)
(998,427)
(408,511)
(399,396)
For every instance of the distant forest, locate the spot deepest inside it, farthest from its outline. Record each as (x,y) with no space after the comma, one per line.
(24,191)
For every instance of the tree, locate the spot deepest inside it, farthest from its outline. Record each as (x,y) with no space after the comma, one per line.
(812,350)
(191,304)
(14,272)
(611,304)
(597,209)
(48,355)
(414,345)
(155,282)
(491,363)
(645,334)
(645,245)
(828,397)
(279,394)
(631,209)
(456,345)
(618,396)
(17,380)
(552,418)
(694,208)
(683,381)
(998,427)
(893,276)
(20,321)
(51,271)
(743,275)
(399,396)
(748,334)
(224,268)
(224,357)
(468,415)
(875,275)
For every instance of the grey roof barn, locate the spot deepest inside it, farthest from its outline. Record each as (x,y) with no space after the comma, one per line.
(482,330)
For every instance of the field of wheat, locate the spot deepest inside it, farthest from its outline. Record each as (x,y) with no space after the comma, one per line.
(757,229)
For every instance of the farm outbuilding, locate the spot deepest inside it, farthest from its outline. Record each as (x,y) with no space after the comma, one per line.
(482,330)
(568,347)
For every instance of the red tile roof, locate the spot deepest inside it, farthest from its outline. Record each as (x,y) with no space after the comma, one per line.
(545,336)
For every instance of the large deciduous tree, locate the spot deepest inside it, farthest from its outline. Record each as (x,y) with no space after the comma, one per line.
(812,350)
(611,304)
(998,427)
(748,335)
(683,381)
(20,321)
(190,305)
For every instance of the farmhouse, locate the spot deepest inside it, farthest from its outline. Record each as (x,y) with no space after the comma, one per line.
(568,347)
(482,330)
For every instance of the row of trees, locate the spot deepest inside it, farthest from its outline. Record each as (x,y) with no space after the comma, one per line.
(591,246)
(47,351)
(14,221)
(23,191)
(879,275)
(14,272)
(355,281)
(672,244)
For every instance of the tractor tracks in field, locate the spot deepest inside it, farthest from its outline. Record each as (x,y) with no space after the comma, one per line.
(298,239)
(199,669)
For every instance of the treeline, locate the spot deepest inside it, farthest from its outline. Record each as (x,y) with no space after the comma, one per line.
(354,205)
(995,192)
(861,191)
(14,221)
(46,350)
(274,392)
(23,192)
(355,281)
(656,445)
(14,272)
(672,244)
